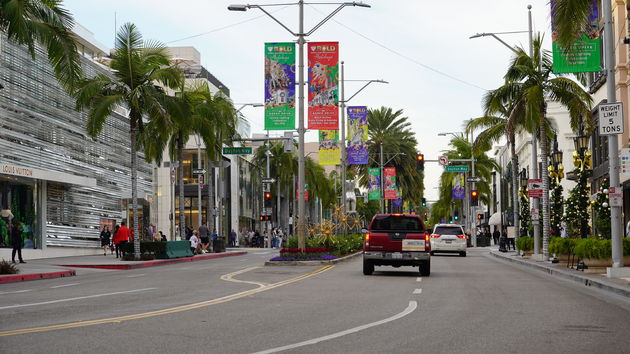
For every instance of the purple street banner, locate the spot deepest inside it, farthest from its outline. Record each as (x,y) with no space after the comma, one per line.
(398,202)
(329,152)
(357,135)
(390,182)
(374,184)
(279,86)
(323,79)
(459,190)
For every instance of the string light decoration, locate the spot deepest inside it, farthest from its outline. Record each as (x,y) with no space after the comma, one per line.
(577,206)
(601,207)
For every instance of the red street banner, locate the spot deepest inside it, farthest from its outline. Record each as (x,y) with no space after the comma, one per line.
(323,80)
(390,182)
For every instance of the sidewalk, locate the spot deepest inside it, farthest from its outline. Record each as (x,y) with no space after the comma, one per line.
(619,286)
(47,268)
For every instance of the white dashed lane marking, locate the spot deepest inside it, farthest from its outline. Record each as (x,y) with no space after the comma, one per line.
(418,279)
(417,291)
(63,286)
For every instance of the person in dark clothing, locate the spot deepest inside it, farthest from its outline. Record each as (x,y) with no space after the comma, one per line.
(496,235)
(105,239)
(189,233)
(16,241)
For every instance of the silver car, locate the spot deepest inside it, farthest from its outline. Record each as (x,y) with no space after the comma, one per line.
(448,238)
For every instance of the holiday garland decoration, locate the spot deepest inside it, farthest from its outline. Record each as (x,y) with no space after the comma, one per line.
(577,207)
(602,210)
(525,214)
(557,200)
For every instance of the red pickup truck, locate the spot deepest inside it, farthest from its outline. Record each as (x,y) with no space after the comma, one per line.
(397,240)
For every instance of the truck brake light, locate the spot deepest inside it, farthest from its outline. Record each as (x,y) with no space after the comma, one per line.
(427,244)
(367,239)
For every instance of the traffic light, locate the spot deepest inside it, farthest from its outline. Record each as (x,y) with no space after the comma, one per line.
(267,199)
(456,216)
(424,202)
(420,162)
(426,215)
(474,198)
(480,216)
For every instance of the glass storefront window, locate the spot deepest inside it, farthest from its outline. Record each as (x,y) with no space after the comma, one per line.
(18,201)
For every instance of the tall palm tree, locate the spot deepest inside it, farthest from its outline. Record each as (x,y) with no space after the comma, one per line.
(391,130)
(198,111)
(532,79)
(28,22)
(136,68)
(570,17)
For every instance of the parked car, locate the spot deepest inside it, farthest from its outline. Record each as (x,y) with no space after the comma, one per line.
(397,240)
(448,238)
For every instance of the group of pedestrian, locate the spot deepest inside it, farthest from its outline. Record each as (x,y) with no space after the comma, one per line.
(200,240)
(115,240)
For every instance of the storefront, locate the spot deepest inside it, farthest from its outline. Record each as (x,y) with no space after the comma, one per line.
(19,202)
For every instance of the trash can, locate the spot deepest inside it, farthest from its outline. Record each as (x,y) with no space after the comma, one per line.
(218,245)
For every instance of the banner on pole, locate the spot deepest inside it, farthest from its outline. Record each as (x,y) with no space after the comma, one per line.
(279,86)
(459,187)
(398,202)
(357,135)
(390,182)
(297,191)
(374,184)
(329,152)
(584,54)
(323,84)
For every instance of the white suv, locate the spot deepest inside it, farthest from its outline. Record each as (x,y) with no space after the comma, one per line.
(448,238)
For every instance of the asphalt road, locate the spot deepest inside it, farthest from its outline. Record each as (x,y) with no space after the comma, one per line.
(235,305)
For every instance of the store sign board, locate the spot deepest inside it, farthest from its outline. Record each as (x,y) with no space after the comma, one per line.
(55,176)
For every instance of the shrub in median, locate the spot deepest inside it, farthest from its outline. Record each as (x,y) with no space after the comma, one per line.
(525,243)
(561,245)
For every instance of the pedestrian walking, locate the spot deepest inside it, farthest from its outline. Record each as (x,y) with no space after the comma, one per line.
(204,237)
(214,236)
(495,235)
(122,236)
(16,241)
(105,239)
(232,238)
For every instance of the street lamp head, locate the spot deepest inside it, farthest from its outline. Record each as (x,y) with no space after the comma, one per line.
(382,81)
(257,104)
(237,7)
(476,35)
(360,4)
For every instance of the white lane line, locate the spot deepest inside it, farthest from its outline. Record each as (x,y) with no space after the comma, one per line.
(418,279)
(410,308)
(417,291)
(63,286)
(75,298)
(136,275)
(15,292)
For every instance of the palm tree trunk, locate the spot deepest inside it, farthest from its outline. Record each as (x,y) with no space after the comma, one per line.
(180,177)
(211,197)
(134,187)
(545,178)
(515,184)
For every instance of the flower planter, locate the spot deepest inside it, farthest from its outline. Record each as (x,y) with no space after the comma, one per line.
(591,262)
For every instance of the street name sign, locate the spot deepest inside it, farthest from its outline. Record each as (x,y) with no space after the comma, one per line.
(237,150)
(611,118)
(457,168)
(615,196)
(443,160)
(268,180)
(199,171)
(534,188)
(474,179)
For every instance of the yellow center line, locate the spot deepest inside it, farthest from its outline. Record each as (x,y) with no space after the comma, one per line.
(228,277)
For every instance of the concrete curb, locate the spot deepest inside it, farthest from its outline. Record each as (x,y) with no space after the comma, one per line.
(13,278)
(155,263)
(310,263)
(561,273)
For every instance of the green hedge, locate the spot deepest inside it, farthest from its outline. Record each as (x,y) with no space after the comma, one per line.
(598,249)
(342,244)
(525,243)
(150,247)
(561,245)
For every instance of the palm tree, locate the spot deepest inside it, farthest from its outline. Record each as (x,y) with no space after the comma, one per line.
(45,22)
(197,111)
(571,17)
(136,68)
(532,81)
(391,131)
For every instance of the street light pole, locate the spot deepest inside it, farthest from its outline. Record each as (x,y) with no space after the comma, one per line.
(301,129)
(616,231)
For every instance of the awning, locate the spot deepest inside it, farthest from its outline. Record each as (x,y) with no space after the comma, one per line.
(495,219)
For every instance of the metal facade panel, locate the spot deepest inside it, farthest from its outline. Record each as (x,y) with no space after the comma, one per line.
(40,128)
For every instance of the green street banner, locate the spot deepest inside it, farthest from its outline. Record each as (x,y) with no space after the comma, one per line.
(329,152)
(390,187)
(279,86)
(323,84)
(374,184)
(584,54)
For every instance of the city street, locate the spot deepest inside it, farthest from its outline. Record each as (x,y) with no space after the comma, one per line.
(235,305)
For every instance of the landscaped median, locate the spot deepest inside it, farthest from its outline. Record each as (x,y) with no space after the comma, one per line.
(320,250)
(155,263)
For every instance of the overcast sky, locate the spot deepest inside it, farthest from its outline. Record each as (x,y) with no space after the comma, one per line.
(436,74)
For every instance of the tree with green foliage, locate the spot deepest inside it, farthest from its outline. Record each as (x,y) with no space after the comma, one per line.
(138,70)
(28,22)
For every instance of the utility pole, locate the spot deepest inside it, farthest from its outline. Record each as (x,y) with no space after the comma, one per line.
(381,180)
(534,172)
(616,230)
(344,153)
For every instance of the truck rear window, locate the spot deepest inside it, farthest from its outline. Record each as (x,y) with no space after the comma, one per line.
(448,230)
(389,223)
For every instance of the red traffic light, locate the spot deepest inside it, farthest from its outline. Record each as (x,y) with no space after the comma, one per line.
(420,157)
(474,194)
(267,195)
